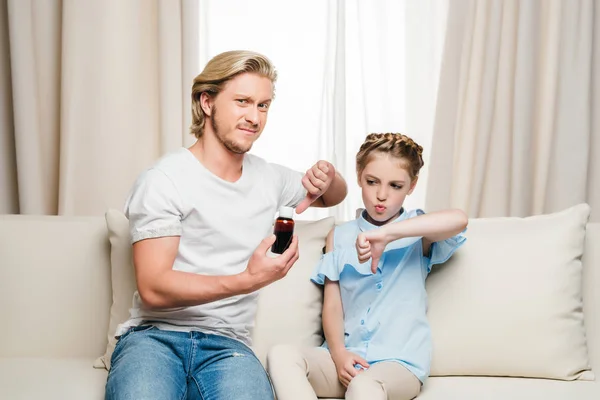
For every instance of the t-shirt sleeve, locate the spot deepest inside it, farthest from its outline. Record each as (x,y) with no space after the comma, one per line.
(292,191)
(153,207)
(441,251)
(327,267)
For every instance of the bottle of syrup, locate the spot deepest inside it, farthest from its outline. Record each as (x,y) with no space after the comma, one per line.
(283,230)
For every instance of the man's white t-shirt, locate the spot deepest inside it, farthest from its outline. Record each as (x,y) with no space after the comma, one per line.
(220,224)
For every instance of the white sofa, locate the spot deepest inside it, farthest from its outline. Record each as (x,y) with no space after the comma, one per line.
(56,297)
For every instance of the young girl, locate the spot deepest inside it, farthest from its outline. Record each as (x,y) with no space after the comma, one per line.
(377,338)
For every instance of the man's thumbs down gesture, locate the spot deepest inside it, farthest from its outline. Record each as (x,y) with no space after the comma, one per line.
(317,181)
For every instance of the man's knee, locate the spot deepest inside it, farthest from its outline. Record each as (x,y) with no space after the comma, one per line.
(142,386)
(240,376)
(363,386)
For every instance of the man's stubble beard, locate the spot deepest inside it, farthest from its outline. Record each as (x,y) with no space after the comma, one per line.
(229,144)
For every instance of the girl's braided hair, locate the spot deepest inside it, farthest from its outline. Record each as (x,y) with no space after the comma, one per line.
(396,145)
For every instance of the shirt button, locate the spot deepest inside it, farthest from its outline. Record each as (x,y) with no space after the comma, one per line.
(362,321)
(379,285)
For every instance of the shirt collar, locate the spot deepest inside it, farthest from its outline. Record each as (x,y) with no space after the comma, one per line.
(365,225)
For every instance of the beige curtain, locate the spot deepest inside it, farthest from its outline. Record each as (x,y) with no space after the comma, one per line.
(517,118)
(95,92)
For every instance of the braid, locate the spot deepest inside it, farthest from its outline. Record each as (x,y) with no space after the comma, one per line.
(395,144)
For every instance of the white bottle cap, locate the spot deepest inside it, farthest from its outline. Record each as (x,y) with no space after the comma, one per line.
(286,212)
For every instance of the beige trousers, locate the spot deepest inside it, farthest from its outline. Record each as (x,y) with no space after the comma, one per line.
(307,374)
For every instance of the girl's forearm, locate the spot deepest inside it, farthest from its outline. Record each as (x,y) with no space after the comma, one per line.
(435,226)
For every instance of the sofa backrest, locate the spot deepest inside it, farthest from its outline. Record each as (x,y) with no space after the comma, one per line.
(55,290)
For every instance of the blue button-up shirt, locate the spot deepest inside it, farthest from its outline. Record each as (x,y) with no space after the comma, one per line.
(385,313)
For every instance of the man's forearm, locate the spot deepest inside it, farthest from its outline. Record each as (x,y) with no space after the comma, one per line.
(160,286)
(336,192)
(181,289)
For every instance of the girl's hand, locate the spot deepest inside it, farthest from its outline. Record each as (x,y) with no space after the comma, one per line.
(371,245)
(345,362)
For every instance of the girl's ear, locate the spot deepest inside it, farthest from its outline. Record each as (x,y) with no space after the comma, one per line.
(412,185)
(358,180)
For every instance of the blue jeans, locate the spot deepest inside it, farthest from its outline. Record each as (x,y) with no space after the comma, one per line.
(149,363)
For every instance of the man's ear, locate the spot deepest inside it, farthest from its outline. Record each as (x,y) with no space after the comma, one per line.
(206,102)
(412,185)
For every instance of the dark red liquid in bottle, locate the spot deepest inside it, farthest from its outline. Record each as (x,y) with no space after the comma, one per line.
(284,230)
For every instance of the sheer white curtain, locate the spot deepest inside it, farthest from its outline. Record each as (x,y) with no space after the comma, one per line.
(346,69)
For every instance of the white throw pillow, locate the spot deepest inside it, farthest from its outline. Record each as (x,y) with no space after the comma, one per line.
(289,310)
(122,279)
(509,302)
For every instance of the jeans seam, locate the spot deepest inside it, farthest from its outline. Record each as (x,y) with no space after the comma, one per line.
(191,356)
(131,331)
(184,396)
(198,386)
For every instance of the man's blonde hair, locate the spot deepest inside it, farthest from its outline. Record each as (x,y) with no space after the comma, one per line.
(219,70)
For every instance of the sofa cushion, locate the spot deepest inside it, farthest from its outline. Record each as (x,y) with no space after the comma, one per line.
(289,310)
(50,379)
(65,379)
(488,388)
(509,303)
(495,388)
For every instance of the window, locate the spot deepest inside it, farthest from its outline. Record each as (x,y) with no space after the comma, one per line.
(346,69)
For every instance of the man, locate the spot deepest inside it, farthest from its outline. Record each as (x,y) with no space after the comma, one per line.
(200,222)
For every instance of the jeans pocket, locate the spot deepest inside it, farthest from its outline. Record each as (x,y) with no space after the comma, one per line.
(132,330)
